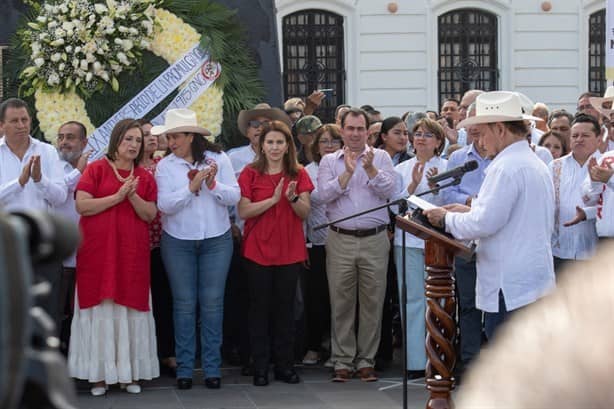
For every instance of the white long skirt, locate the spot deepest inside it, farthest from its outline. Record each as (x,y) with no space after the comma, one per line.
(112,343)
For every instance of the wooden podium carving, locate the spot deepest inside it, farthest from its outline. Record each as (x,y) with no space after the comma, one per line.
(439,251)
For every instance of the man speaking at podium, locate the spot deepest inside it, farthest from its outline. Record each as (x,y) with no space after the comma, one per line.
(512,216)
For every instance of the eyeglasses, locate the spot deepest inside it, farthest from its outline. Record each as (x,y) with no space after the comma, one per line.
(257,124)
(423,135)
(329,142)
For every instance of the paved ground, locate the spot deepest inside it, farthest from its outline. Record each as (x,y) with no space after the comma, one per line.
(314,392)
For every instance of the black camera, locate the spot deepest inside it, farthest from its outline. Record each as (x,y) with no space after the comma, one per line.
(33,372)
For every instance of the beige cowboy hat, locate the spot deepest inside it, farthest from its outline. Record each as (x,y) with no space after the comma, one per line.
(499,106)
(179,120)
(263,109)
(597,102)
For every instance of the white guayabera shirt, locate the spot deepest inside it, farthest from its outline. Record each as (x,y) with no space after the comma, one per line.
(513,218)
(48,192)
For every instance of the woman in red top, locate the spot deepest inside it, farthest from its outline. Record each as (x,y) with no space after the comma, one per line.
(113,331)
(274,202)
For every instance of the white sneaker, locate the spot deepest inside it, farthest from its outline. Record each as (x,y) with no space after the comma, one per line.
(311,358)
(98,391)
(133,388)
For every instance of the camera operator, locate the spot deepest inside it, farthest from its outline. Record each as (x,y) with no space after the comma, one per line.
(30,179)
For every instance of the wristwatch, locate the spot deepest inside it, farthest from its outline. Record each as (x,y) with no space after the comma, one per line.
(294,199)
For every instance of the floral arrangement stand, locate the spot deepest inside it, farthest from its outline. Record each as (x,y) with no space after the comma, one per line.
(83,59)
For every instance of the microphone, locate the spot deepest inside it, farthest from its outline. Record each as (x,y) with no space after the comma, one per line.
(457,172)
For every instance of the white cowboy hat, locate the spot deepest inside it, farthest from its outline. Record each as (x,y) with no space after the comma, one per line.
(179,120)
(499,106)
(265,110)
(597,102)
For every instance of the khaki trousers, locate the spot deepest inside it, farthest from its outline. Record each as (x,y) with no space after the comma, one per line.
(356,269)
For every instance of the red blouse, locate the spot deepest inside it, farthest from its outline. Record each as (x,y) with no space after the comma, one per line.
(276,236)
(113,259)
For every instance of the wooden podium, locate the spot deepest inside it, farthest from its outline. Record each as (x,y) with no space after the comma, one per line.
(439,251)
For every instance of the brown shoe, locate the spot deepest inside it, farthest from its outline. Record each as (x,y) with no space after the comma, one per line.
(342,375)
(367,374)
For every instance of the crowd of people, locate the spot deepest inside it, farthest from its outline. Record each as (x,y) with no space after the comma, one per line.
(181,238)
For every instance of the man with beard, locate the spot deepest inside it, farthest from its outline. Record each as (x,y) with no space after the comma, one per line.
(71,142)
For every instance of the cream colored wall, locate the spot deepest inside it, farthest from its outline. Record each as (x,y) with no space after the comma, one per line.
(391,58)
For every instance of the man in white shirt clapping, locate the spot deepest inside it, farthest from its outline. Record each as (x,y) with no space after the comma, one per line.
(514,256)
(574,237)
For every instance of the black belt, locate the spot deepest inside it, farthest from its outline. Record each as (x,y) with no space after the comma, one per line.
(360,233)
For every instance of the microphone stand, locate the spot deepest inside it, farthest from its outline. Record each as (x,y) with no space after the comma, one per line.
(455,181)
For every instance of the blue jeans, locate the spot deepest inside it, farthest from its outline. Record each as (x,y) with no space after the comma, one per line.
(197,272)
(415,338)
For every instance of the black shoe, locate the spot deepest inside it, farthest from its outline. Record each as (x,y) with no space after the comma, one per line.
(184,383)
(261,378)
(287,376)
(247,370)
(213,383)
(415,374)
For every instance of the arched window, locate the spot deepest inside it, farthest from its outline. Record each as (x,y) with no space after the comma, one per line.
(468,57)
(596,52)
(313,57)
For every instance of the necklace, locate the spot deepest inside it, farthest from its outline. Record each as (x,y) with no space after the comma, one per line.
(117,175)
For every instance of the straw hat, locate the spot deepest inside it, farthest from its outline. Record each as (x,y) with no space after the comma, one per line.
(179,120)
(499,106)
(597,102)
(265,110)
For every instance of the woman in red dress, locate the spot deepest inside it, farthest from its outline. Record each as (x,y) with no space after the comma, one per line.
(113,331)
(274,202)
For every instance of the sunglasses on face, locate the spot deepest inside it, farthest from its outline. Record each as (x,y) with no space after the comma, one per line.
(257,124)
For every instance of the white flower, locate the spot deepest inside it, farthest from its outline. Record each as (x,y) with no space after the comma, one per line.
(68,25)
(41,19)
(56,57)
(52,24)
(61,66)
(68,48)
(100,8)
(97,66)
(57,43)
(39,62)
(75,62)
(104,75)
(133,31)
(123,58)
(77,49)
(88,77)
(59,33)
(127,44)
(122,29)
(83,65)
(54,79)
(63,8)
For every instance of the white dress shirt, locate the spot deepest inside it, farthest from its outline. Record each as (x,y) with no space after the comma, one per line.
(404,170)
(241,157)
(68,209)
(601,195)
(187,216)
(513,218)
(49,191)
(577,241)
(317,214)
